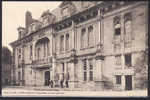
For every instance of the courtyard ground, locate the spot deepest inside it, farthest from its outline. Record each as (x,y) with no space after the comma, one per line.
(46,91)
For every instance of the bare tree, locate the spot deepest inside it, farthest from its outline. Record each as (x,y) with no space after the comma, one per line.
(6,66)
(141,71)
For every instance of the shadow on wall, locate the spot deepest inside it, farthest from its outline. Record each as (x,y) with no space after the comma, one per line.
(108,85)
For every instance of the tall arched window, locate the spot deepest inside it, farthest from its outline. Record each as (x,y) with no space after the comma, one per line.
(90,36)
(83,38)
(47,48)
(128,28)
(117,33)
(30,51)
(38,53)
(67,41)
(44,49)
(117,26)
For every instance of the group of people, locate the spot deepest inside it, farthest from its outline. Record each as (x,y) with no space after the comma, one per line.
(51,83)
(63,82)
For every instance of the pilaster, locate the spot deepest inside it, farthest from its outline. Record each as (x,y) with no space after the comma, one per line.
(33,50)
(52,69)
(123,82)
(71,70)
(72,41)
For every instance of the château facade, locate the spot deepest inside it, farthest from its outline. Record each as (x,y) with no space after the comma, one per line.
(95,43)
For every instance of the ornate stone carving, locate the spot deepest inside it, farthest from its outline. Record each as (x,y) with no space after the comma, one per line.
(99,51)
(73,58)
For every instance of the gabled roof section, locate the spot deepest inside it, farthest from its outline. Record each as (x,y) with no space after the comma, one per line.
(64,3)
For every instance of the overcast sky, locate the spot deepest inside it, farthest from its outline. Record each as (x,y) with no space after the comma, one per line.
(13,16)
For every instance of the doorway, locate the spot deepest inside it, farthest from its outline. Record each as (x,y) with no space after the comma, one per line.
(128,82)
(47,78)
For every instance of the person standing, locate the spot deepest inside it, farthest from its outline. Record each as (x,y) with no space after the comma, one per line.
(52,83)
(49,83)
(67,79)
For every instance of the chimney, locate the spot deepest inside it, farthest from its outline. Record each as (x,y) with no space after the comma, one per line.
(28,19)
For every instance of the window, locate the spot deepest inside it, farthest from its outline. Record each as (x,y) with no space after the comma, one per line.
(117,26)
(19,66)
(118,60)
(128,60)
(19,76)
(85,76)
(83,38)
(33,27)
(90,70)
(31,52)
(19,50)
(19,59)
(47,44)
(128,29)
(56,45)
(45,20)
(118,79)
(62,43)
(65,12)
(63,70)
(85,70)
(117,33)
(67,41)
(90,36)
(44,49)
(39,51)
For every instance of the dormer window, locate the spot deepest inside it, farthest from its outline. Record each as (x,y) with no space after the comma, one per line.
(65,12)
(21,32)
(45,20)
(32,28)
(117,26)
(67,9)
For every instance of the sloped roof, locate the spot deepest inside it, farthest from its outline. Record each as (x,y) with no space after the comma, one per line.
(77,4)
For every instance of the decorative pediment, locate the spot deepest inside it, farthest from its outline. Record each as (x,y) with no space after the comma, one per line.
(48,18)
(67,7)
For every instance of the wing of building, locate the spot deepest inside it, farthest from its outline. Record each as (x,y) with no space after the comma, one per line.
(90,45)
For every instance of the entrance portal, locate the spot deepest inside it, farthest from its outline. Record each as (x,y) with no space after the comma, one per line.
(128,82)
(47,78)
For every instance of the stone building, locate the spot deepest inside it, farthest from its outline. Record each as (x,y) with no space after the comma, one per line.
(95,44)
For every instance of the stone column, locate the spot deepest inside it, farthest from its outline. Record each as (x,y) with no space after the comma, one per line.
(71,75)
(99,25)
(52,73)
(123,82)
(51,45)
(98,70)
(98,78)
(123,61)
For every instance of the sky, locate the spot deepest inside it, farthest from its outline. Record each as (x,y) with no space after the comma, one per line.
(13,16)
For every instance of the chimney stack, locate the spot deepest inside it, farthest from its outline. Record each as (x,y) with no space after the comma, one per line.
(28,19)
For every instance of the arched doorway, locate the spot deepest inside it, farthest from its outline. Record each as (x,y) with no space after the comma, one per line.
(42,48)
(47,78)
